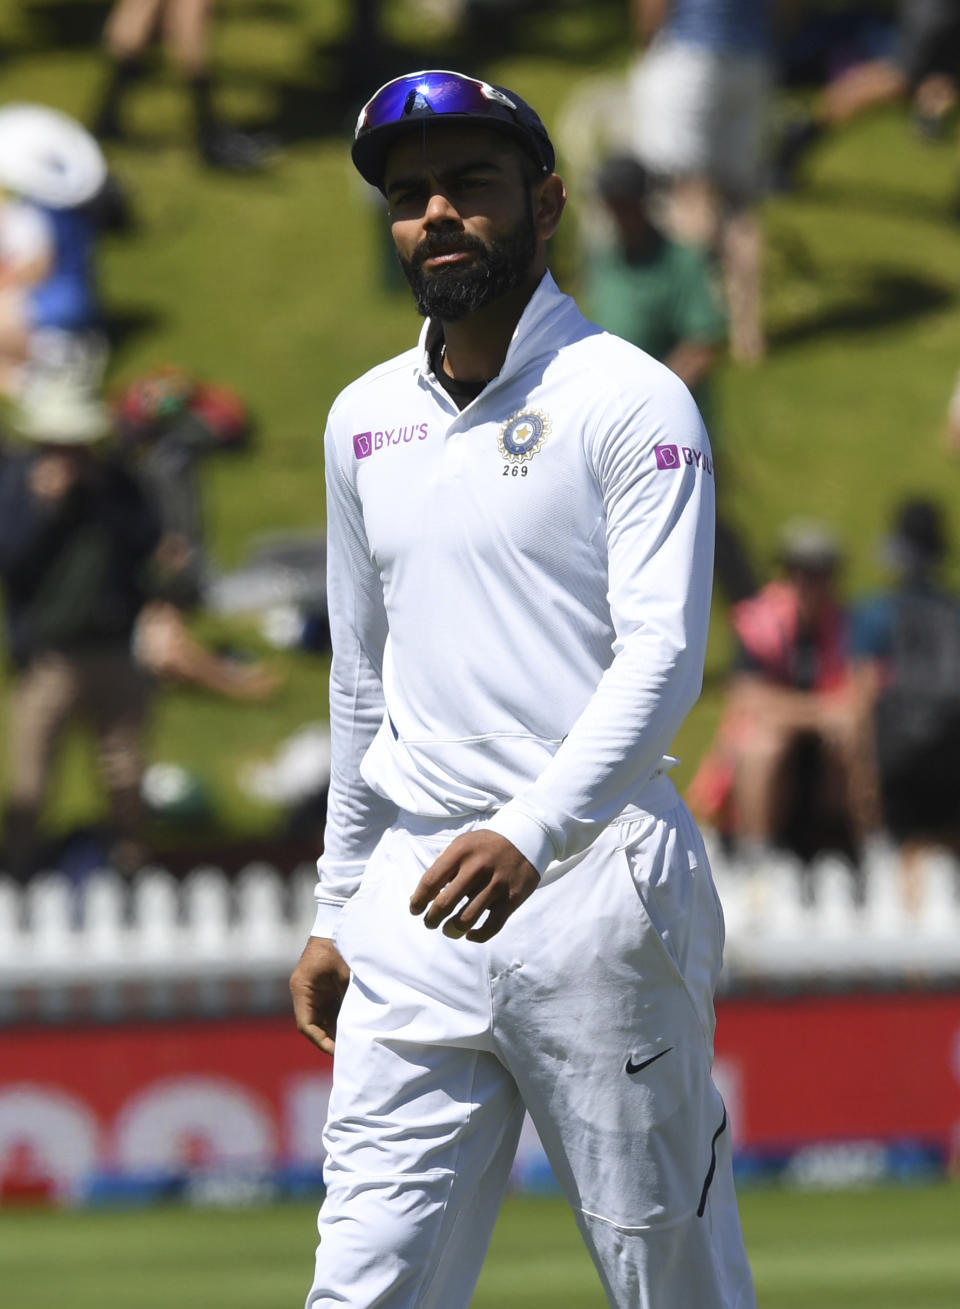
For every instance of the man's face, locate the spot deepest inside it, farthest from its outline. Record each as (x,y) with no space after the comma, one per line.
(816,592)
(462,218)
(630,219)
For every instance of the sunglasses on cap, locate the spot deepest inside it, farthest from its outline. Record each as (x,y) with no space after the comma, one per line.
(436,93)
(433,91)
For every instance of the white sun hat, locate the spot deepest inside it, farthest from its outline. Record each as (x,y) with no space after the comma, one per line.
(48,157)
(61,411)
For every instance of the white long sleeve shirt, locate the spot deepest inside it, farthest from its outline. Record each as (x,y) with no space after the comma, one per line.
(519,592)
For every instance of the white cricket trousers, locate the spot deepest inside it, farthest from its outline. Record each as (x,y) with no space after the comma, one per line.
(593,1009)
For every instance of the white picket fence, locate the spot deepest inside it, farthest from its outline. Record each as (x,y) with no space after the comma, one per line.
(784,923)
(157,947)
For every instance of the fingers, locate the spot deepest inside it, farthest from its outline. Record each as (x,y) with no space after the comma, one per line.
(479,873)
(469,914)
(455,875)
(498,910)
(446,902)
(437,875)
(463,925)
(311,1021)
(496,918)
(318,1036)
(317,987)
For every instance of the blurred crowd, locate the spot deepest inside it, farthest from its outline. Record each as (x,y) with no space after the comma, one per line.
(842,720)
(102,542)
(841,723)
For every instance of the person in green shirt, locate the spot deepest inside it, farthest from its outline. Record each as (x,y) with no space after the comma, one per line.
(663,297)
(654,292)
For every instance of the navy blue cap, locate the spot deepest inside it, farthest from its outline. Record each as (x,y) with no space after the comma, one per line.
(442,95)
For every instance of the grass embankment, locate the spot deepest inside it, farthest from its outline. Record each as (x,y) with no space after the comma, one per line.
(275,284)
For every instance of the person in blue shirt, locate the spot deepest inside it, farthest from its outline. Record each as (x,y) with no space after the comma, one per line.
(47,279)
(905,645)
(67,298)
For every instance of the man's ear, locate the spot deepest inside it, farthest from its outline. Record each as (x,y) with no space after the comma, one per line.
(549,199)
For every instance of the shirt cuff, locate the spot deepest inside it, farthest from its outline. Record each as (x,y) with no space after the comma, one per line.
(328,914)
(532,840)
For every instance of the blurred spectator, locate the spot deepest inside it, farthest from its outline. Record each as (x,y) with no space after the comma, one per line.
(906,652)
(655,293)
(700,92)
(164,646)
(186,24)
(169,422)
(787,765)
(953,419)
(76,532)
(52,172)
(662,296)
(923,70)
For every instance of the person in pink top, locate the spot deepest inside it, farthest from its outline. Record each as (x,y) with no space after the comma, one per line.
(790,718)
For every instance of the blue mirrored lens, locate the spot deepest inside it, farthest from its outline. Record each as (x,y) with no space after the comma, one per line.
(441,93)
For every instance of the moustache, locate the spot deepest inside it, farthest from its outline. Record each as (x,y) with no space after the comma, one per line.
(438,244)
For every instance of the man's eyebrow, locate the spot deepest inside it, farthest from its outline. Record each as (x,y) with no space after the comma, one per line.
(412,180)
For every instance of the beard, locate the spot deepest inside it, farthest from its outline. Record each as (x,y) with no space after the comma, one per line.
(453,293)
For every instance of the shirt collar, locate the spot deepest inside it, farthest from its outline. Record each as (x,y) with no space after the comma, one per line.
(546,301)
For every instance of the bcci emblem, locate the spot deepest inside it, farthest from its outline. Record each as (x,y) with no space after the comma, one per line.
(523,435)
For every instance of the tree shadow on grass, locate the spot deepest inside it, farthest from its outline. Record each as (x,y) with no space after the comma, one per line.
(340,75)
(123,326)
(8,52)
(882,196)
(71,24)
(64,24)
(323,96)
(544,28)
(885,297)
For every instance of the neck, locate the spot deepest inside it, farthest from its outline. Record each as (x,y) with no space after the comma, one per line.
(642,246)
(476,346)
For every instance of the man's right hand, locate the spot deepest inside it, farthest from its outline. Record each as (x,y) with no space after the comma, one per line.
(317,985)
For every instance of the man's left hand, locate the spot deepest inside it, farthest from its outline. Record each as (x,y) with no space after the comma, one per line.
(486,868)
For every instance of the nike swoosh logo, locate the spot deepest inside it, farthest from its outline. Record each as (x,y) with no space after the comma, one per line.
(631,1067)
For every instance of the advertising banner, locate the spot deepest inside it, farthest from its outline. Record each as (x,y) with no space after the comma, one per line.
(231,1108)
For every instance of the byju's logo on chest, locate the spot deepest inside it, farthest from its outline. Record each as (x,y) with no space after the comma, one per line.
(366,444)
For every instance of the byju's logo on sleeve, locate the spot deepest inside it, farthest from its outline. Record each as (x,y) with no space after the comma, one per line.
(363,444)
(671,456)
